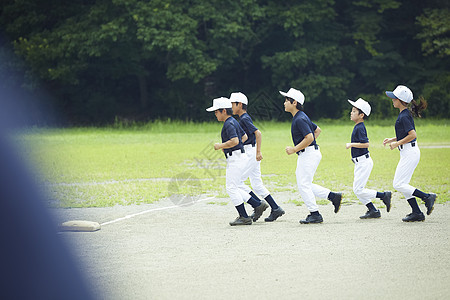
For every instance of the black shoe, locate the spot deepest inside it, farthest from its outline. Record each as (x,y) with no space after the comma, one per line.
(337,202)
(371,214)
(241,221)
(274,214)
(310,219)
(387,200)
(429,202)
(414,217)
(258,211)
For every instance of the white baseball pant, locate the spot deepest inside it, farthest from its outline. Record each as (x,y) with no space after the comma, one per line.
(409,159)
(253,170)
(307,164)
(363,168)
(235,164)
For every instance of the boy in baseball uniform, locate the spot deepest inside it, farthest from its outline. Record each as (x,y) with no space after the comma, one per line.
(252,147)
(304,134)
(363,162)
(232,146)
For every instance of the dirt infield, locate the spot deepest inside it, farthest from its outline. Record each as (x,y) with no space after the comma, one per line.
(191,252)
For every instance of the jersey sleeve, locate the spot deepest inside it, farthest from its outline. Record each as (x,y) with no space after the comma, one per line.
(408,124)
(303,127)
(362,135)
(231,132)
(248,126)
(243,125)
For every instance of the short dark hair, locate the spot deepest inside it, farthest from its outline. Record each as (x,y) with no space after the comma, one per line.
(229,111)
(361,112)
(298,106)
(244,106)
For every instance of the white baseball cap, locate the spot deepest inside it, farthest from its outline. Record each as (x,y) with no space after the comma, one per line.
(238,97)
(401,92)
(220,103)
(362,105)
(294,94)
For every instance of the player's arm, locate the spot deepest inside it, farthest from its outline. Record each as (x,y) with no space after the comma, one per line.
(408,138)
(317,132)
(228,144)
(307,140)
(357,145)
(244,137)
(389,140)
(258,138)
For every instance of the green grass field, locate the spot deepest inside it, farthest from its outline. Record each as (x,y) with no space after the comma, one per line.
(97,167)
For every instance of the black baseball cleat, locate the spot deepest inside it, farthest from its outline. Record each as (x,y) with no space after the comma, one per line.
(241,221)
(414,217)
(258,211)
(337,202)
(371,214)
(274,214)
(312,219)
(387,200)
(429,202)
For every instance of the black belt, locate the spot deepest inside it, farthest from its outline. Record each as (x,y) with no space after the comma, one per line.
(413,144)
(315,147)
(353,159)
(228,154)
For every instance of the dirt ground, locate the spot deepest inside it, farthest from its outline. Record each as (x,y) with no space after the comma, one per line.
(192,253)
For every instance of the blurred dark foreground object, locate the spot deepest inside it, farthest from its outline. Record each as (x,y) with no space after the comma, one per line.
(36,263)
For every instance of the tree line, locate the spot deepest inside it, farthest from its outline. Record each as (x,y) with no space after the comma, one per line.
(95,61)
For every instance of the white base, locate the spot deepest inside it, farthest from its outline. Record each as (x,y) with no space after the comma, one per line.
(79,225)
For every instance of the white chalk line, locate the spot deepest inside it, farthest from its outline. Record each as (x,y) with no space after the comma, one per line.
(152,210)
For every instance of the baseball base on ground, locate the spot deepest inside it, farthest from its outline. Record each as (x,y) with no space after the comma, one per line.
(79,225)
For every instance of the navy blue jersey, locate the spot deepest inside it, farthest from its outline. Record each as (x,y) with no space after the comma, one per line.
(301,127)
(232,129)
(404,124)
(359,135)
(247,124)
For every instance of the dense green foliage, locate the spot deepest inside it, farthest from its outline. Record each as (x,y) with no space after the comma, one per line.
(135,59)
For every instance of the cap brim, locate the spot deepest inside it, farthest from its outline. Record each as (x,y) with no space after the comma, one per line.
(391,95)
(283,93)
(212,108)
(351,102)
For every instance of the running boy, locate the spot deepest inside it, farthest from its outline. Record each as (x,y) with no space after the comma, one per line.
(304,134)
(363,162)
(252,147)
(232,136)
